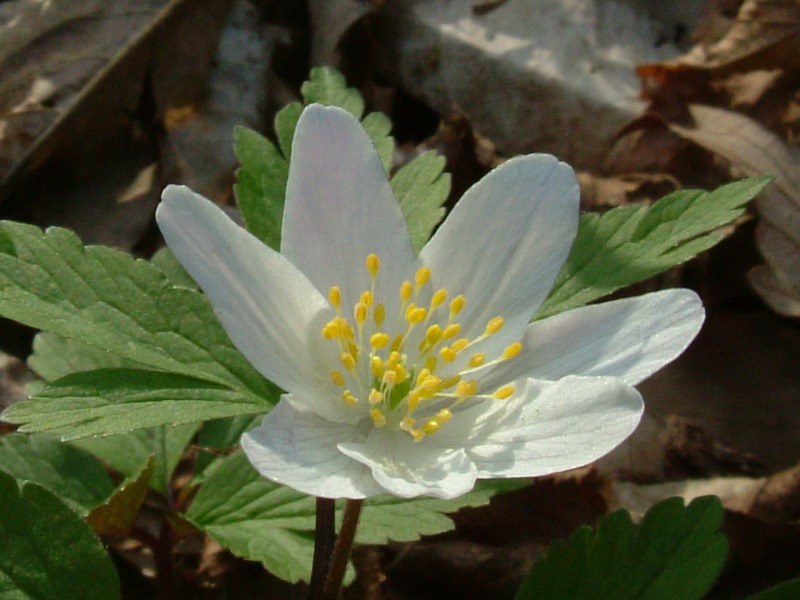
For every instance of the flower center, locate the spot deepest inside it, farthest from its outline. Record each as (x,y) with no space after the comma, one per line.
(412,377)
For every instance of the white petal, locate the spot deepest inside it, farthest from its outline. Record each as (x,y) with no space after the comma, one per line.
(630,338)
(556,426)
(407,469)
(505,241)
(268,308)
(299,450)
(340,207)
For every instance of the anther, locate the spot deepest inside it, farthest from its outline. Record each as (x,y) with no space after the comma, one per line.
(378,417)
(379,314)
(337,378)
(405,291)
(430,363)
(375,397)
(466,389)
(457,305)
(407,424)
(504,392)
(379,340)
(433,334)
(331,331)
(476,360)
(444,415)
(422,276)
(360,313)
(423,373)
(348,360)
(451,331)
(512,350)
(401,373)
(494,325)
(459,345)
(349,398)
(373,264)
(335,297)
(390,377)
(438,298)
(377,366)
(366,298)
(448,354)
(431,383)
(416,315)
(432,426)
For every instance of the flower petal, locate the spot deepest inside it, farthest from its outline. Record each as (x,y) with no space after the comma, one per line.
(406,468)
(299,450)
(340,207)
(505,241)
(630,338)
(553,426)
(265,304)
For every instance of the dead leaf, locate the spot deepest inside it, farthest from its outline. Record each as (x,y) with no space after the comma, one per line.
(116,516)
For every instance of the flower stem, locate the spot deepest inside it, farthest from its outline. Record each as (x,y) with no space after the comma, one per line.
(341,550)
(324,538)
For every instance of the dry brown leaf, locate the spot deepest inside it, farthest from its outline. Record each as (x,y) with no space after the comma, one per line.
(752,150)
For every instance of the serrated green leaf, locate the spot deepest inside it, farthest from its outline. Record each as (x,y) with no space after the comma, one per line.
(677,552)
(48,552)
(285,124)
(632,243)
(421,188)
(105,299)
(117,515)
(235,500)
(788,590)
(327,86)
(169,265)
(378,127)
(113,401)
(73,475)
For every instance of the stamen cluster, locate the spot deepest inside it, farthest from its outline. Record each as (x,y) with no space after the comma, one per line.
(412,378)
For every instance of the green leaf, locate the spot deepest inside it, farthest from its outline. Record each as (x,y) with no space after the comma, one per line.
(105,299)
(421,188)
(788,590)
(378,127)
(632,243)
(169,265)
(261,520)
(112,401)
(221,435)
(70,473)
(54,357)
(261,185)
(285,123)
(677,552)
(48,552)
(327,86)
(126,453)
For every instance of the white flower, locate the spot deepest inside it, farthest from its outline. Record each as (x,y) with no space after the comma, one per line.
(416,375)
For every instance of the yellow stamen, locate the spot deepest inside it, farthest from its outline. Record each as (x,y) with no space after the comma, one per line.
(422,276)
(379,340)
(476,360)
(444,415)
(504,392)
(416,314)
(407,424)
(405,291)
(349,398)
(348,360)
(379,314)
(377,366)
(335,297)
(337,378)
(512,351)
(450,381)
(451,331)
(401,373)
(375,397)
(431,383)
(417,434)
(390,377)
(373,264)
(430,363)
(366,298)
(457,305)
(360,313)
(466,389)
(494,325)
(432,426)
(459,345)
(378,417)
(448,354)
(423,373)
(433,334)
(331,331)
(438,298)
